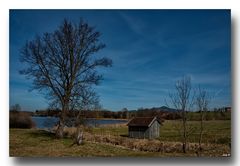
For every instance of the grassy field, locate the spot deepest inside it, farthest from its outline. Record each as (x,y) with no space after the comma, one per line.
(218,131)
(32,142)
(38,143)
(215,131)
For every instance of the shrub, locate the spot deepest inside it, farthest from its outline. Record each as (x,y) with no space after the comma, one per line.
(69,132)
(223,140)
(20,120)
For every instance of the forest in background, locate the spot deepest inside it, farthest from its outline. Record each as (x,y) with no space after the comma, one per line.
(161,112)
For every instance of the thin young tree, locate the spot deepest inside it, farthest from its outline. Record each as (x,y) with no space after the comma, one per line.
(202,101)
(63,63)
(182,99)
(89,101)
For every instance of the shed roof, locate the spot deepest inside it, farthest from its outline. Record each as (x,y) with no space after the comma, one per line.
(143,121)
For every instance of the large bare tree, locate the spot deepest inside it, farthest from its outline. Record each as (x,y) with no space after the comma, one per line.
(183,99)
(63,65)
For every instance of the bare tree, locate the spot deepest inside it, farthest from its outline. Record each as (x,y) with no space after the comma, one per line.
(16,107)
(62,64)
(202,101)
(183,100)
(89,101)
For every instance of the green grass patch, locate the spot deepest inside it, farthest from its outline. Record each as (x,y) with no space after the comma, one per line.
(215,131)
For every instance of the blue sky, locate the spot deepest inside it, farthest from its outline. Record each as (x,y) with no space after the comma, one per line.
(150,49)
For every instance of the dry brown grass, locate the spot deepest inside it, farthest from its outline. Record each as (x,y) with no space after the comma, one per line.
(150,145)
(117,125)
(115,135)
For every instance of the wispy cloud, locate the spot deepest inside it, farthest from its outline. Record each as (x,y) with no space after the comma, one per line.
(135,24)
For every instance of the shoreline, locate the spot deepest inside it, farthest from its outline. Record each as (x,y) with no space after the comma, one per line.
(85,118)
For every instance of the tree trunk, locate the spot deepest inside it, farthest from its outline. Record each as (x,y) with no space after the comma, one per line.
(61,124)
(78,139)
(59,132)
(201,131)
(184,140)
(184,132)
(184,147)
(79,136)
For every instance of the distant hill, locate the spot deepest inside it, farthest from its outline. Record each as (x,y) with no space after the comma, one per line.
(162,109)
(167,109)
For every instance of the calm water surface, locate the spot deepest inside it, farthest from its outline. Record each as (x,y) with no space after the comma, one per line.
(48,122)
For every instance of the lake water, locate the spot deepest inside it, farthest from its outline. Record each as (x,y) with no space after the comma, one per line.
(48,122)
(44,122)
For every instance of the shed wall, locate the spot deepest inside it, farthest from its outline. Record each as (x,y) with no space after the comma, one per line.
(144,132)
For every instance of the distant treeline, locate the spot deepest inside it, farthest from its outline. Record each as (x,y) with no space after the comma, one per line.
(22,119)
(162,112)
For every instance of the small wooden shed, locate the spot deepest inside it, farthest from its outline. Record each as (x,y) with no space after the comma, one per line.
(144,127)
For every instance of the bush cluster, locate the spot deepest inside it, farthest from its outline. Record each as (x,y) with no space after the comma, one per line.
(20,120)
